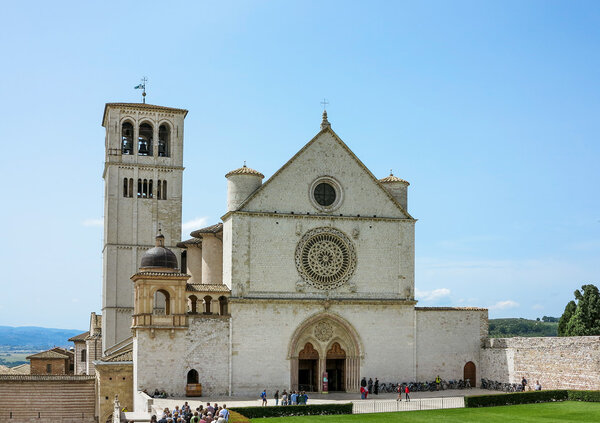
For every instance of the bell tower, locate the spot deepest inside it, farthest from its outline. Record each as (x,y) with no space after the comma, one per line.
(143,173)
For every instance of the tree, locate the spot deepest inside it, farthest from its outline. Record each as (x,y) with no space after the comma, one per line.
(582,318)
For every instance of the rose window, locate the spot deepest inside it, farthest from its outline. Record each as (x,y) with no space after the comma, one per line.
(325,258)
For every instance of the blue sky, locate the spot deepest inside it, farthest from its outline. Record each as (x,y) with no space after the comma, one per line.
(489,109)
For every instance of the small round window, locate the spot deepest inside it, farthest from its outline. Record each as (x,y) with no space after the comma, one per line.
(324,194)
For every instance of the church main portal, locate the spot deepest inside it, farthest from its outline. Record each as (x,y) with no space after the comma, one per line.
(325,343)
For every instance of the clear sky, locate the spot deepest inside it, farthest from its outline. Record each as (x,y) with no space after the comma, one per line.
(490,109)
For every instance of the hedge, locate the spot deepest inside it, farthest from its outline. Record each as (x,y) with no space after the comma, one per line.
(293,410)
(588,396)
(516,398)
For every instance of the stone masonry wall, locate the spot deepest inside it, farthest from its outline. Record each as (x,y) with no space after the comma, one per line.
(163,361)
(563,362)
(58,366)
(114,379)
(56,399)
(447,339)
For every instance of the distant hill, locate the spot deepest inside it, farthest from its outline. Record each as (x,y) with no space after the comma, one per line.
(508,328)
(35,337)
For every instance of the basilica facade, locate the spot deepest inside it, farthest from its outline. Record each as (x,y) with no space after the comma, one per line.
(308,277)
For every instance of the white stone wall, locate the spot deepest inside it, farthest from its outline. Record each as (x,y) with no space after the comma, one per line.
(557,362)
(262,333)
(447,339)
(163,361)
(194,263)
(263,248)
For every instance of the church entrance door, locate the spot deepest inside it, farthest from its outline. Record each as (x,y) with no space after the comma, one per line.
(336,367)
(308,362)
(469,374)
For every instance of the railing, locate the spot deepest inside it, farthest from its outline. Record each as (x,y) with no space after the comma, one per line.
(386,406)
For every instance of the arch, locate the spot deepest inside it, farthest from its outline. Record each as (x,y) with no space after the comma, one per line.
(150,188)
(164,136)
(207,301)
(192,376)
(145,189)
(164,190)
(145,136)
(357,348)
(83,356)
(470,373)
(139,191)
(192,305)
(340,352)
(308,352)
(308,368)
(167,297)
(158,190)
(223,305)
(127,138)
(130,187)
(125,186)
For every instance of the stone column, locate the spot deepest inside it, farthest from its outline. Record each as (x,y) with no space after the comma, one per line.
(294,373)
(322,367)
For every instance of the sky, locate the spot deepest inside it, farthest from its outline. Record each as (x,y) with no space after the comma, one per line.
(490,110)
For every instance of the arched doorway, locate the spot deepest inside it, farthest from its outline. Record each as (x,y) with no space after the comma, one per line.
(192,376)
(470,374)
(308,366)
(322,331)
(336,367)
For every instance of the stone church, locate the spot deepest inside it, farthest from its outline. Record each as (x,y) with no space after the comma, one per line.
(309,274)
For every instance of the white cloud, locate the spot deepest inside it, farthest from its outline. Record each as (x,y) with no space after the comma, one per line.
(432,295)
(192,225)
(503,305)
(93,222)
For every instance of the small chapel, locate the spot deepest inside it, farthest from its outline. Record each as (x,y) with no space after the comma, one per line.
(307,282)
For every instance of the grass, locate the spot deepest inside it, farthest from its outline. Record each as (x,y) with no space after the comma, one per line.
(568,411)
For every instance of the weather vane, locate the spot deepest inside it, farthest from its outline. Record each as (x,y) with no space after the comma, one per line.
(324,103)
(142,87)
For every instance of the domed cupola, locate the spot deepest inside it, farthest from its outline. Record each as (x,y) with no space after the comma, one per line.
(159,257)
(240,184)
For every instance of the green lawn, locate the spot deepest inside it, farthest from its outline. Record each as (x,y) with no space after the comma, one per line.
(568,411)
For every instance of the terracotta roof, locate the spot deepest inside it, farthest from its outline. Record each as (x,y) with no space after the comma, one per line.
(53,353)
(81,337)
(191,241)
(172,274)
(213,229)
(46,377)
(206,287)
(142,106)
(245,170)
(393,178)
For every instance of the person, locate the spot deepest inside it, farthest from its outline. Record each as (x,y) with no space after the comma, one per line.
(376,387)
(284,398)
(362,392)
(224,413)
(438,382)
(524,383)
(263,395)
(195,419)
(294,398)
(537,386)
(305,395)
(153,419)
(363,382)
(209,408)
(406,392)
(276,397)
(370,385)
(399,390)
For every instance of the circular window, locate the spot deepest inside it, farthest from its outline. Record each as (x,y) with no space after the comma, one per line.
(325,258)
(325,194)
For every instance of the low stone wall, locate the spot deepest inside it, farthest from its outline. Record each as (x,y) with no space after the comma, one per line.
(56,399)
(557,362)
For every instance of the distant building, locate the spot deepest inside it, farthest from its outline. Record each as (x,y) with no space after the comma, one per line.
(55,361)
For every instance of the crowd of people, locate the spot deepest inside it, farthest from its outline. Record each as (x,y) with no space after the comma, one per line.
(185,414)
(291,398)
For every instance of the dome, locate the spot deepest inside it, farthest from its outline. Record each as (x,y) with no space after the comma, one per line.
(159,256)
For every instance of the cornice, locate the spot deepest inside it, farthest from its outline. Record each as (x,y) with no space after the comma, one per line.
(250,299)
(318,216)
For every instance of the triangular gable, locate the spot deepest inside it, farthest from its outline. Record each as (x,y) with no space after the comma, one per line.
(350,153)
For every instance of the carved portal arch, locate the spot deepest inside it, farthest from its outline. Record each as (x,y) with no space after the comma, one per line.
(331,338)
